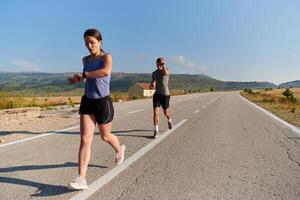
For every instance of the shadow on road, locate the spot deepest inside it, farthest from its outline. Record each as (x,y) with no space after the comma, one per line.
(37,167)
(3,133)
(121,133)
(42,189)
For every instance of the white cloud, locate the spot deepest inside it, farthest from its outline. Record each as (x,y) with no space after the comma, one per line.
(190,66)
(25,65)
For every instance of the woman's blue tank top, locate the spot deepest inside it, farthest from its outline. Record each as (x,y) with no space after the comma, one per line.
(95,88)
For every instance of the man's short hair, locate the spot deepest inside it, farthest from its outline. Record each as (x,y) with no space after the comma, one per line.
(160,60)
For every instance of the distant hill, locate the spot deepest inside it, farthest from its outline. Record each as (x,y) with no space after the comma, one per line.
(35,82)
(122,81)
(253,85)
(45,83)
(292,84)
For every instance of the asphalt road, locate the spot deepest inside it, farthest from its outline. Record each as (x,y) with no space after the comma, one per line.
(221,147)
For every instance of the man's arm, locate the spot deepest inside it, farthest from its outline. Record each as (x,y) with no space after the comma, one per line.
(165,70)
(153,82)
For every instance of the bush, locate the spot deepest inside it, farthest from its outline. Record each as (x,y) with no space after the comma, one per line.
(248,90)
(268,89)
(71,102)
(289,96)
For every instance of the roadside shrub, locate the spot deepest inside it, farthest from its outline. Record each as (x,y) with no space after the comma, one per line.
(268,89)
(45,103)
(71,102)
(288,94)
(134,98)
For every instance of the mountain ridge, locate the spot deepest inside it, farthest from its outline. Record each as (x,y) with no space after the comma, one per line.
(121,81)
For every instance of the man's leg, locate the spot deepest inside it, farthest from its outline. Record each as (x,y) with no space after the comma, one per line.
(167,113)
(156,121)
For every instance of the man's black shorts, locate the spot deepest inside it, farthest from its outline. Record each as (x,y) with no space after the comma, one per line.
(161,100)
(102,108)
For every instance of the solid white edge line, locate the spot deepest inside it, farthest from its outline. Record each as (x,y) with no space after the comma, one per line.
(292,127)
(36,137)
(98,184)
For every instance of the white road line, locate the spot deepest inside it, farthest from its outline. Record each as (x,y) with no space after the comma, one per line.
(38,136)
(196,111)
(292,127)
(98,184)
(216,98)
(135,111)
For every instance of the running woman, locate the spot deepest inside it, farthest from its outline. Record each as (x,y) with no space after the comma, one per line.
(161,97)
(96,106)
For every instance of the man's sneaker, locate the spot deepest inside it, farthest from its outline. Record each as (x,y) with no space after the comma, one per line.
(78,183)
(120,156)
(156,134)
(170,125)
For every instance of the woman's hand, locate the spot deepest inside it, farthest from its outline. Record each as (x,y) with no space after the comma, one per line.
(75,78)
(79,77)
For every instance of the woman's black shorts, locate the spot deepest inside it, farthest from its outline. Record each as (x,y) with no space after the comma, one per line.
(102,108)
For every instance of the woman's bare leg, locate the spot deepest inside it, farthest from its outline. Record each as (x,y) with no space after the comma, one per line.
(87,127)
(105,131)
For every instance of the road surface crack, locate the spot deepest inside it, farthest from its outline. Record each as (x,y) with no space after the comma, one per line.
(290,156)
(134,182)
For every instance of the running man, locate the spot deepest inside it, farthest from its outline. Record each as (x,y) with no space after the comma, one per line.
(96,105)
(161,97)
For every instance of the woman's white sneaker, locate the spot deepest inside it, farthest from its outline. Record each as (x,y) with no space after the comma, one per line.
(78,183)
(120,156)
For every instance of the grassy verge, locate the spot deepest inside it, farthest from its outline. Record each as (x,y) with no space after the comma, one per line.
(10,100)
(278,104)
(44,102)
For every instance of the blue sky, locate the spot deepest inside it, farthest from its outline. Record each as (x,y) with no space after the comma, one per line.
(232,40)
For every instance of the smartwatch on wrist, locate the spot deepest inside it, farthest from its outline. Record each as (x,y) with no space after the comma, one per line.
(84,75)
